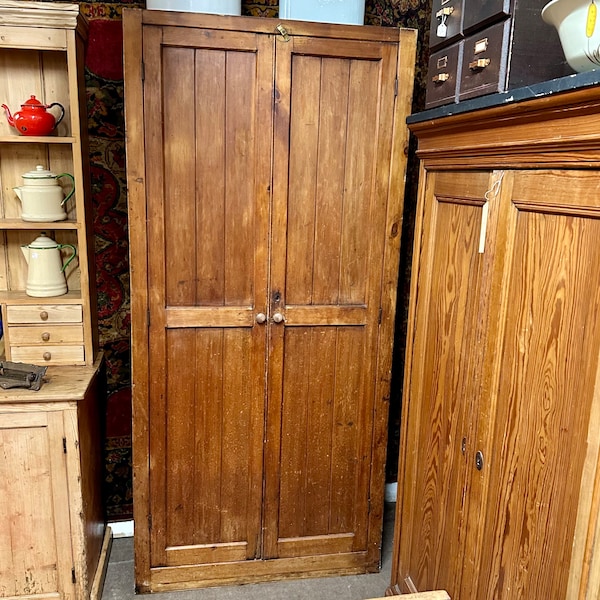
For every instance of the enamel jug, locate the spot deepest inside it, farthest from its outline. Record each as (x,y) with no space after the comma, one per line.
(34,118)
(42,197)
(46,272)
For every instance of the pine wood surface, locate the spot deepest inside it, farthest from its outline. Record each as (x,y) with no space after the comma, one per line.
(503,348)
(52,528)
(259,433)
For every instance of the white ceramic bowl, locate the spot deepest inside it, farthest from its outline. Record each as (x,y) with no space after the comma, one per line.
(578,26)
(220,7)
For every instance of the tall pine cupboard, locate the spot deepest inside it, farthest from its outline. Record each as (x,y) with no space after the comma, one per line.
(266,164)
(499,487)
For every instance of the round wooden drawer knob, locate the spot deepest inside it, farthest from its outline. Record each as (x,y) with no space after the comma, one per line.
(44,315)
(45,336)
(47,356)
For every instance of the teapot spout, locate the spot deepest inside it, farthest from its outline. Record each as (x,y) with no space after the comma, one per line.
(25,251)
(17,191)
(9,117)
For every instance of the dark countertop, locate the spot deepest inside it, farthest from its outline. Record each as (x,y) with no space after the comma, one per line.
(537,90)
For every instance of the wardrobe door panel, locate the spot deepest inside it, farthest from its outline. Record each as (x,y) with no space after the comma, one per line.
(442,378)
(207,272)
(548,366)
(333,113)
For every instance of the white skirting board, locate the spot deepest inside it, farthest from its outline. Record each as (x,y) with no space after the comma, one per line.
(121,528)
(125,528)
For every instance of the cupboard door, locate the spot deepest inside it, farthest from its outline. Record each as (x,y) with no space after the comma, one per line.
(208,156)
(443,361)
(333,118)
(35,543)
(542,380)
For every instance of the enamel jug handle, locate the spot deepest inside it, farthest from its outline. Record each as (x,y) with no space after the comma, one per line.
(72,181)
(60,246)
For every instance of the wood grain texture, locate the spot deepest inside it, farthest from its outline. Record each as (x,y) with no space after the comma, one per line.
(527,519)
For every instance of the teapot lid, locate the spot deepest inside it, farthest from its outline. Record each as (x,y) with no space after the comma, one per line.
(43,241)
(39,173)
(32,102)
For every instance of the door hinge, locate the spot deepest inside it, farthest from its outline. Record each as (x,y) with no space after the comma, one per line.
(65,445)
(149,522)
(396,87)
(73,578)
(148,317)
(380,315)
(143,71)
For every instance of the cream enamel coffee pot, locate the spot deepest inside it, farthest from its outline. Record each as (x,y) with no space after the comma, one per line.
(46,272)
(42,196)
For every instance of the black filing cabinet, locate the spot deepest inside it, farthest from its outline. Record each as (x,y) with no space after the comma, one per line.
(485,46)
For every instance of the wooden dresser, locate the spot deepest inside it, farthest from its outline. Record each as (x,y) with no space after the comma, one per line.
(499,479)
(53,538)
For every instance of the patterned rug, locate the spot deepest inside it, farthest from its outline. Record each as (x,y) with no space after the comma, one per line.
(104,85)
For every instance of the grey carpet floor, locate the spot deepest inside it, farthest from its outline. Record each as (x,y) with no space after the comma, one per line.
(119,580)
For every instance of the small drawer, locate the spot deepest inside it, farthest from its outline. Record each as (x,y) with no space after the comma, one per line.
(442,76)
(446,23)
(478,14)
(484,62)
(48,355)
(37,314)
(51,335)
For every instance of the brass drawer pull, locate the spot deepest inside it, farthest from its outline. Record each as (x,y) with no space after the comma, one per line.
(440,78)
(444,12)
(478,64)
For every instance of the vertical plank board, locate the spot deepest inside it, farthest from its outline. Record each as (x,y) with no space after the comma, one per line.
(211,123)
(179,185)
(240,177)
(358,175)
(296,385)
(320,424)
(347,461)
(237,438)
(302,182)
(208,416)
(55,84)
(180,439)
(329,197)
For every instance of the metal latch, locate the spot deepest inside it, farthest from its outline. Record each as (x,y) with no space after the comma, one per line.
(21,375)
(440,78)
(284,33)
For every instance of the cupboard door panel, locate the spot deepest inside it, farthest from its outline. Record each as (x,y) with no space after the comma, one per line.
(35,547)
(330,178)
(207,276)
(549,360)
(442,381)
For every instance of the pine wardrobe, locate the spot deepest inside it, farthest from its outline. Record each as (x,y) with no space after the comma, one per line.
(266,167)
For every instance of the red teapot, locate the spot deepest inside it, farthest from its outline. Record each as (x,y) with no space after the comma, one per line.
(34,118)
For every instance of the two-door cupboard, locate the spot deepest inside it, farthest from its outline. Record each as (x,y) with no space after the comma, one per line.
(499,473)
(266,165)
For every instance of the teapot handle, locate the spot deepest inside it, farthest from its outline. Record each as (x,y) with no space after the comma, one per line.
(72,181)
(60,246)
(62,112)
